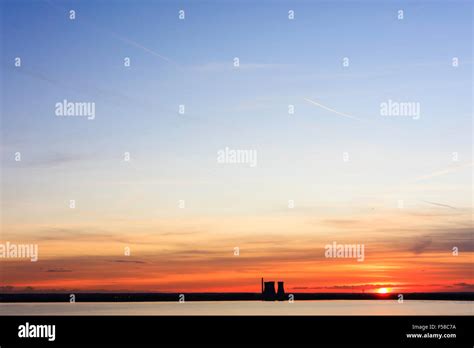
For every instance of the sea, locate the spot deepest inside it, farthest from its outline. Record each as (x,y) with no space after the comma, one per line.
(319,307)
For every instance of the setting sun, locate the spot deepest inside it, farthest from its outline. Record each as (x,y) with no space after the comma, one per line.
(383,290)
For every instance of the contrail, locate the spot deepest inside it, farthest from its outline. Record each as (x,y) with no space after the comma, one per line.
(440,204)
(444,171)
(146,49)
(121,38)
(332,110)
(441,172)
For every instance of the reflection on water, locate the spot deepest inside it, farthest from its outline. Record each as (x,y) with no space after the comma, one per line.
(339,307)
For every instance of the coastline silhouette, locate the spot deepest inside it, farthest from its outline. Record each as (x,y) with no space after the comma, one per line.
(267,293)
(228,296)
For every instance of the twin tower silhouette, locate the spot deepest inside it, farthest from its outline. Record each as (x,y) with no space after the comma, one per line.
(269,294)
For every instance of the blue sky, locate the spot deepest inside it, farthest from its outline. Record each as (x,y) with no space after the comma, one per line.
(282,62)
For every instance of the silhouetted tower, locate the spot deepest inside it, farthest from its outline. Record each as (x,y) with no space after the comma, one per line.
(269,291)
(281,292)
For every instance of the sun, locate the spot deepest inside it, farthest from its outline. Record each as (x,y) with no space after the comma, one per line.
(383,290)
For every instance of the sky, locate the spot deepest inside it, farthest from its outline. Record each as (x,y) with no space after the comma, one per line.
(401,185)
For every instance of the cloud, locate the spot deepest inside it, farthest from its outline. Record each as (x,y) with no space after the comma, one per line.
(127,261)
(58,270)
(94,92)
(342,222)
(465,286)
(377,286)
(435,240)
(53,160)
(71,234)
(9,288)
(348,287)
(421,244)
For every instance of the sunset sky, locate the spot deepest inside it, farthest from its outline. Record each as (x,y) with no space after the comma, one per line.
(405,191)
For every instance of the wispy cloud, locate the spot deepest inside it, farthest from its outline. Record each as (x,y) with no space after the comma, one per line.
(53,160)
(127,261)
(421,244)
(347,287)
(465,286)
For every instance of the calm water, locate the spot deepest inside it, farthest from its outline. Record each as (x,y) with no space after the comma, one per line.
(369,307)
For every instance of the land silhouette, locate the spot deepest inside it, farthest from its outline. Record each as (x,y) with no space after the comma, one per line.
(227,296)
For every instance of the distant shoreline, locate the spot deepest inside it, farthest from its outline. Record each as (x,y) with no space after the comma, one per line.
(174,297)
